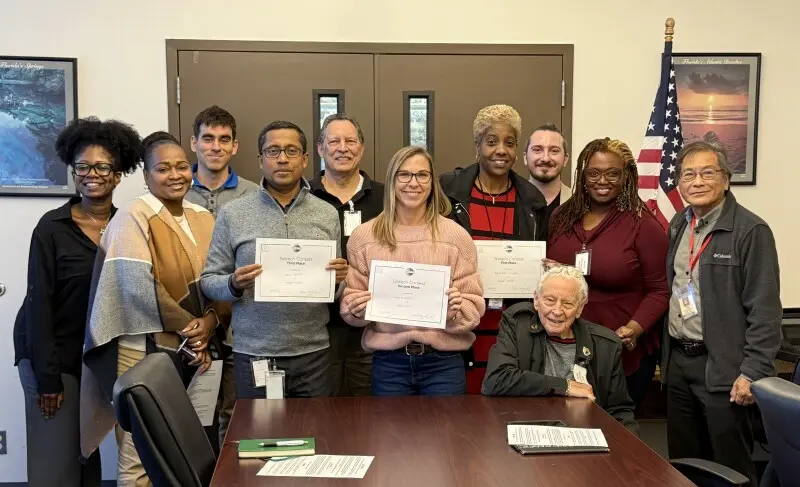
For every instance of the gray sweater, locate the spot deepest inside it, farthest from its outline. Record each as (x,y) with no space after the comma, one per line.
(268,329)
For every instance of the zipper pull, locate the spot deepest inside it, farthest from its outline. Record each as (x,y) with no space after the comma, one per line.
(352,206)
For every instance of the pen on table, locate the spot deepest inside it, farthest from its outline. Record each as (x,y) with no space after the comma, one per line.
(283,443)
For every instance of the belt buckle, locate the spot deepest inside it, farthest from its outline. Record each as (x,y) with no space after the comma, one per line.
(415,349)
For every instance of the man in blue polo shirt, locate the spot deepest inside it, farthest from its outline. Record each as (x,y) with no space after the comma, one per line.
(215,183)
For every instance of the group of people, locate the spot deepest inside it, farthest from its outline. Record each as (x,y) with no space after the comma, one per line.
(106,287)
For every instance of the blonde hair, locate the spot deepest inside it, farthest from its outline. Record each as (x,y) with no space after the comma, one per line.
(496,114)
(438,203)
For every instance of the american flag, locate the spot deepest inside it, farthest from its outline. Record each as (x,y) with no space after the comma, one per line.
(658,176)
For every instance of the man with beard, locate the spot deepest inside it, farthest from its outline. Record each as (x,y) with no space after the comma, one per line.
(546,155)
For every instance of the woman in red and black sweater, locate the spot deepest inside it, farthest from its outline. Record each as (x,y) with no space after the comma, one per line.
(627,280)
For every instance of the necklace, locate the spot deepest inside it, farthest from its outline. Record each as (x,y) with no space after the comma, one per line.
(486,208)
(103,228)
(480,186)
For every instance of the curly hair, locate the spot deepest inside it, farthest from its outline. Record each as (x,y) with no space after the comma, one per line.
(495,114)
(118,138)
(154,140)
(563,220)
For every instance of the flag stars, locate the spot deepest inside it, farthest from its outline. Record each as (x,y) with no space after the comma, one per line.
(669,100)
(672,168)
(669,113)
(672,87)
(670,182)
(673,155)
(651,126)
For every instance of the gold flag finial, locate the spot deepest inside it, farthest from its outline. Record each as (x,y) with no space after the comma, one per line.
(669,29)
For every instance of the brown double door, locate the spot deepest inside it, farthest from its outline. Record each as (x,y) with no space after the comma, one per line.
(399,99)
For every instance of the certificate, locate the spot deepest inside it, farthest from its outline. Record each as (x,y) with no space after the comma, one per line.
(408,294)
(510,268)
(294,270)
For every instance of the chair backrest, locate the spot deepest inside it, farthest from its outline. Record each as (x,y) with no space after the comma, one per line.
(152,404)
(779,401)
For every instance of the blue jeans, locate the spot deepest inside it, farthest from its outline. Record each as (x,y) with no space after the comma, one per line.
(432,374)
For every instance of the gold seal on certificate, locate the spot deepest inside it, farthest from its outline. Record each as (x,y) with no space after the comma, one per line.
(408,294)
(510,268)
(294,270)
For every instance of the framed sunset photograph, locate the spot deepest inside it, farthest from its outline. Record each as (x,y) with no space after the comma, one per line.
(718,101)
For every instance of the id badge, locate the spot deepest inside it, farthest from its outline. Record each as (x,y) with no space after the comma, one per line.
(583,261)
(495,303)
(352,219)
(687,302)
(579,373)
(260,369)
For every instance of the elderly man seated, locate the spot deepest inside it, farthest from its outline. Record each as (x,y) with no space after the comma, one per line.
(545,348)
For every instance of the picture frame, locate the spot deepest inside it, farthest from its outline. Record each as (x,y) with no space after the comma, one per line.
(718,99)
(38,98)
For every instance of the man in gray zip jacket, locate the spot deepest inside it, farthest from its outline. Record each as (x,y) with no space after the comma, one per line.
(723,327)
(294,334)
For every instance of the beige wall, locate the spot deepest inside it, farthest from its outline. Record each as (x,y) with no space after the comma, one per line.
(120,47)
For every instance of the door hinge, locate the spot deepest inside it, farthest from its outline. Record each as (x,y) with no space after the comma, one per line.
(178,90)
(563,94)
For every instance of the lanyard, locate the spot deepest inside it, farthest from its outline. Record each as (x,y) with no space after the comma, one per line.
(693,258)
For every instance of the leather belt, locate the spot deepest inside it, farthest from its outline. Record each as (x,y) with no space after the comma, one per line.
(416,349)
(690,348)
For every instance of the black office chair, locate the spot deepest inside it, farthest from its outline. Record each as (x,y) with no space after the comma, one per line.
(779,401)
(704,473)
(151,403)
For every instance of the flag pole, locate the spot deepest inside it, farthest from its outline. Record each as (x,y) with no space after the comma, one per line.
(669,29)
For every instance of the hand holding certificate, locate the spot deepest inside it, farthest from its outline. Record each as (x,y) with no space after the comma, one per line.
(409,294)
(294,271)
(510,269)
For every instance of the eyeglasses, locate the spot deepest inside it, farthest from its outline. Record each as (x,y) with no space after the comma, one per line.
(611,175)
(707,174)
(82,169)
(423,177)
(291,152)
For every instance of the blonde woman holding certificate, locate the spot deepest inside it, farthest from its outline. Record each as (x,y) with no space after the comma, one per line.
(413,228)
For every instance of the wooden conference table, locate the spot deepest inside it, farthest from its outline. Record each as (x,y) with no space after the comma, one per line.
(440,442)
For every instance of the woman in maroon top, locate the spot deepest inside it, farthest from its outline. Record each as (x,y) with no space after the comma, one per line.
(628,248)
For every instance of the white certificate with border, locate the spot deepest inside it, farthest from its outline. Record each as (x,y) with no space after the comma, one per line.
(294,270)
(510,268)
(408,294)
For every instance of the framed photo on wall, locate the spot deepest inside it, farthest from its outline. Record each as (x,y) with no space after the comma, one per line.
(718,101)
(38,97)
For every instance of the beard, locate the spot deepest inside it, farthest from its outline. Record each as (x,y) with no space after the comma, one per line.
(544,178)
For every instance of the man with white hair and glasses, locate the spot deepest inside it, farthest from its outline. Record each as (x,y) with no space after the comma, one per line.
(545,348)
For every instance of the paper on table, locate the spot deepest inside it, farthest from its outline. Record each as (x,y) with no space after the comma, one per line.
(323,466)
(203,392)
(532,435)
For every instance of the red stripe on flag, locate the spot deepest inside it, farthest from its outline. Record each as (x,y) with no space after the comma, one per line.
(649,155)
(675,199)
(653,205)
(648,182)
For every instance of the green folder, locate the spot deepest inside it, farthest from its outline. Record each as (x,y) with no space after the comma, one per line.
(254,448)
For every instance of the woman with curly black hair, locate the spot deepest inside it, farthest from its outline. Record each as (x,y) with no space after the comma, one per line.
(50,325)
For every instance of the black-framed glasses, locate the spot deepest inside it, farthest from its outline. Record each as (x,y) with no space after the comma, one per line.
(611,175)
(423,177)
(274,152)
(83,169)
(706,174)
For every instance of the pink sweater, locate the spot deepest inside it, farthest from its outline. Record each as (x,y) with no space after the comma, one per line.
(453,247)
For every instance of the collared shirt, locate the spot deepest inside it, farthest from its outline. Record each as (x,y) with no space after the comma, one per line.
(368,200)
(50,325)
(232,188)
(690,328)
